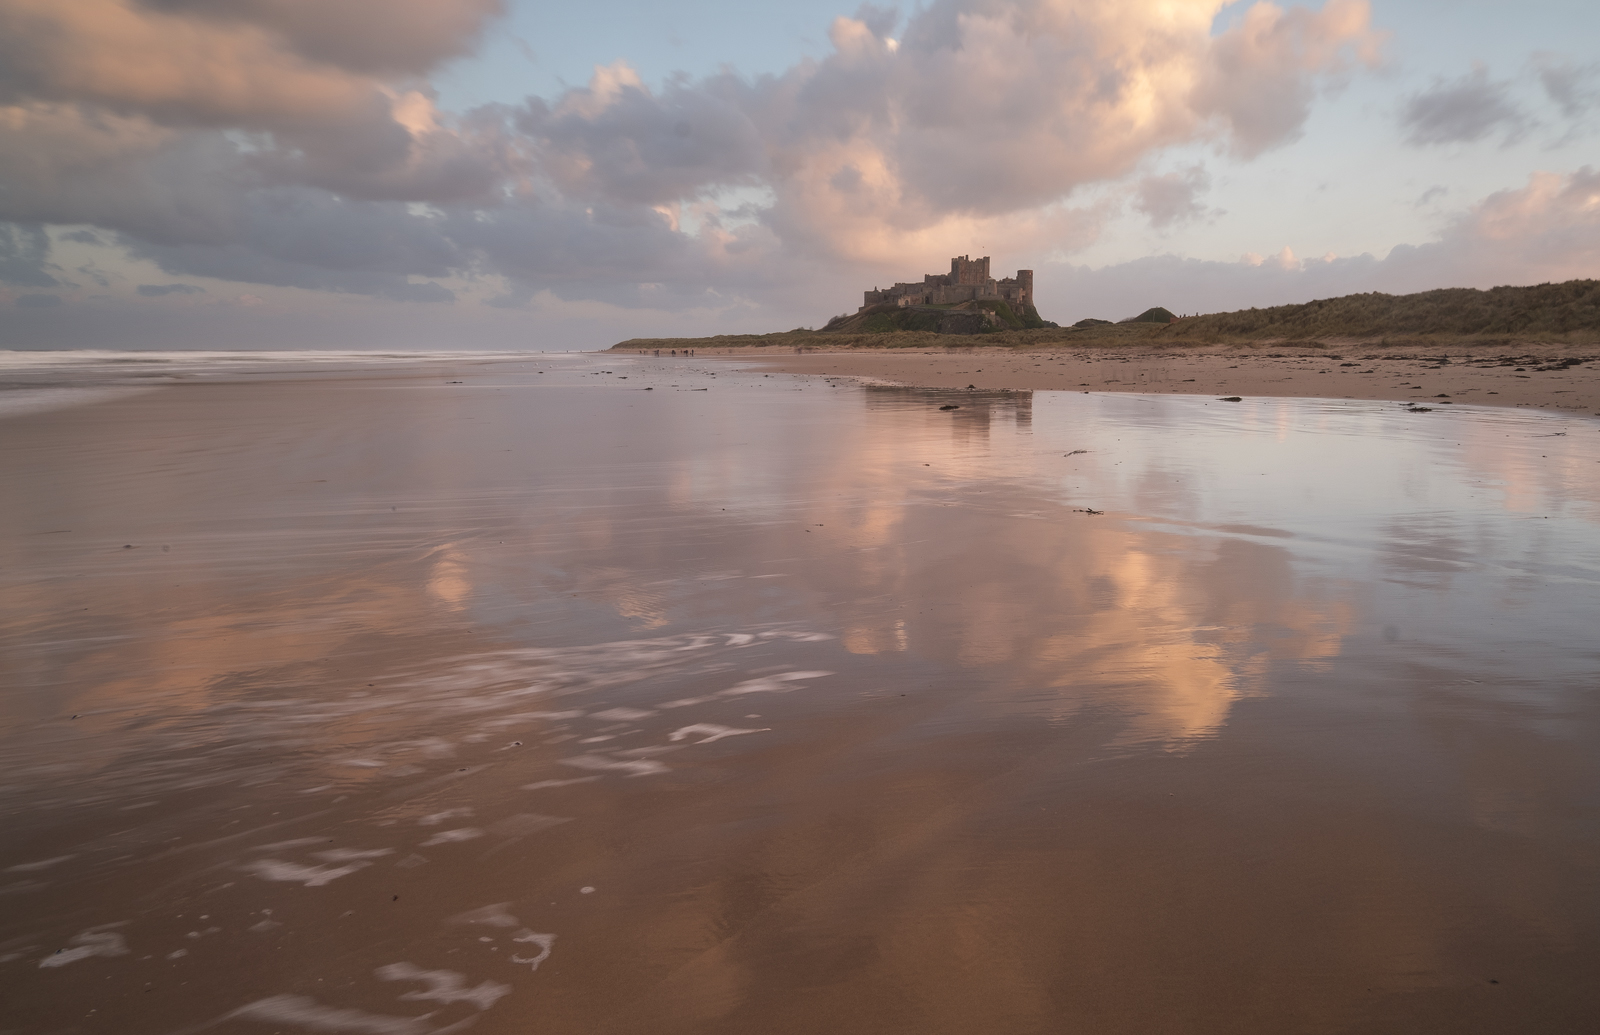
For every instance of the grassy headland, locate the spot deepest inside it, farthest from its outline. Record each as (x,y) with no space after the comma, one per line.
(1556,313)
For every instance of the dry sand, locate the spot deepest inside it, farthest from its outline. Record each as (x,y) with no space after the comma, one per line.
(1530,375)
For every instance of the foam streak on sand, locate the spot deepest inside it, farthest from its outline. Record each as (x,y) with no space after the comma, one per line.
(310,876)
(444,986)
(308,1014)
(96,941)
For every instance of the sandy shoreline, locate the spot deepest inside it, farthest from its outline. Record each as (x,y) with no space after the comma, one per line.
(1539,376)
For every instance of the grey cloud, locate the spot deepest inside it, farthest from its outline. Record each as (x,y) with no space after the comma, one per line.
(60,164)
(38,301)
(378,37)
(83,237)
(158,290)
(466,162)
(168,187)
(1570,85)
(516,299)
(24,256)
(247,265)
(305,238)
(1462,111)
(880,20)
(94,275)
(1172,198)
(1433,193)
(563,247)
(635,147)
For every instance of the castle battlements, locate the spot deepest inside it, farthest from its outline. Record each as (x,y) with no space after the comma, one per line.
(967,281)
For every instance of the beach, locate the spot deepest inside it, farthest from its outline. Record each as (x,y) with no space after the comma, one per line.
(1538,375)
(981,517)
(795,693)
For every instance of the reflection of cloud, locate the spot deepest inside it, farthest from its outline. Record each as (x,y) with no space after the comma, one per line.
(1176,638)
(964,563)
(632,597)
(1196,689)
(876,639)
(448,581)
(919,548)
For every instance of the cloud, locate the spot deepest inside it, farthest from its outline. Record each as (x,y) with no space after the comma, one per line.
(300,237)
(1172,198)
(1258,77)
(1568,84)
(158,290)
(179,70)
(376,37)
(38,301)
(983,115)
(291,143)
(24,256)
(1547,230)
(103,88)
(989,109)
(1430,195)
(95,275)
(1462,111)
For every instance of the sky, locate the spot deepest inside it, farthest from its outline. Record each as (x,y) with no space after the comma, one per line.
(481,174)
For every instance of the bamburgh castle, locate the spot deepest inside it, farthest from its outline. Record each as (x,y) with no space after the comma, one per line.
(968,280)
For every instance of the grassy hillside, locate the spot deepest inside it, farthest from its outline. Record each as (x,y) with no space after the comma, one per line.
(887,318)
(1541,311)
(1568,312)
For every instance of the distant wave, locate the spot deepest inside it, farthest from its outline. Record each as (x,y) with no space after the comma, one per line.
(37,381)
(109,360)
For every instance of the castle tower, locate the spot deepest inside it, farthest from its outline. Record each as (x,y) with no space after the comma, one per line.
(966,270)
(1025,287)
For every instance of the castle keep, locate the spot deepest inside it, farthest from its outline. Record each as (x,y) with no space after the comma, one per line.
(967,281)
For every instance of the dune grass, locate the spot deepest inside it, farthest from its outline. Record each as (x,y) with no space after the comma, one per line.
(1543,311)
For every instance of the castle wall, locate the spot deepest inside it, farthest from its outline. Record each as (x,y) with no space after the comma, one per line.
(968,280)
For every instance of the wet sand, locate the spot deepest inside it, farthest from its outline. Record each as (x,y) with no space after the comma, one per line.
(593,694)
(1524,375)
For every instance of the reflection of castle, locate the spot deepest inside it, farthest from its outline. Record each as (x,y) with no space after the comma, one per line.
(968,280)
(973,415)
